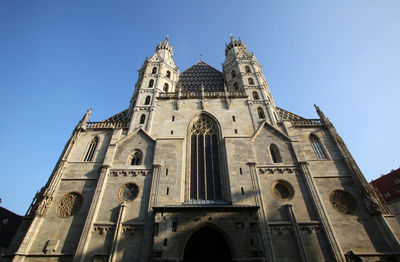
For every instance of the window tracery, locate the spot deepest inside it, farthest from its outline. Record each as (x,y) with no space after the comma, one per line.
(251,81)
(255,95)
(205,174)
(69,205)
(318,149)
(91,149)
(136,158)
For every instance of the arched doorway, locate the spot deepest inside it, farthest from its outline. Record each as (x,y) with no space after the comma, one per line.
(207,244)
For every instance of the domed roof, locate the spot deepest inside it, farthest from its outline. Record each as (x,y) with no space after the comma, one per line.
(201,73)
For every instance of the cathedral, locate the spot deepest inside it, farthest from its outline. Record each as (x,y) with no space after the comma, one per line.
(203,166)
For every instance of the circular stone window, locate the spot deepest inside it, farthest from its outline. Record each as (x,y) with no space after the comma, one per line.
(282,190)
(69,205)
(128,192)
(342,201)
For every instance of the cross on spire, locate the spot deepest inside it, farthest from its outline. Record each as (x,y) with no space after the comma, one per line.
(201,56)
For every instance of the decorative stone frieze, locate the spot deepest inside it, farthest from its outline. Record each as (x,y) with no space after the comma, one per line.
(130,173)
(277,170)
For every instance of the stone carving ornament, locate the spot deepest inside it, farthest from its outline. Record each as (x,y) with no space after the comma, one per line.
(128,192)
(343,201)
(69,205)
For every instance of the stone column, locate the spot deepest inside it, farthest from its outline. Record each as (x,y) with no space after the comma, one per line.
(296,231)
(92,214)
(327,228)
(263,223)
(117,233)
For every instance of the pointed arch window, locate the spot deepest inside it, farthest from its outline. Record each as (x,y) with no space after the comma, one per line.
(168,74)
(233,73)
(251,81)
(318,149)
(136,158)
(205,168)
(236,86)
(260,113)
(142,119)
(275,154)
(91,149)
(255,95)
(147,100)
(154,71)
(151,83)
(166,86)
(247,68)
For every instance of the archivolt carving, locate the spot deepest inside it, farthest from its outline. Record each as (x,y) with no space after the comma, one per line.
(69,205)
(342,201)
(204,126)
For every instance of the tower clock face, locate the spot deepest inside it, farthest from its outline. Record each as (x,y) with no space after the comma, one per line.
(128,192)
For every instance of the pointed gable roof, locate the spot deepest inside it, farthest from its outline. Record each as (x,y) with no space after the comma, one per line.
(201,73)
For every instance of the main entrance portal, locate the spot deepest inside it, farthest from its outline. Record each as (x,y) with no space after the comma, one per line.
(207,245)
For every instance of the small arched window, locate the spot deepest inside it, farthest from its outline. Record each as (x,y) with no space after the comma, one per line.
(154,70)
(251,81)
(247,68)
(147,100)
(151,83)
(318,149)
(136,158)
(142,119)
(260,113)
(233,73)
(255,95)
(91,149)
(168,74)
(275,155)
(166,87)
(236,86)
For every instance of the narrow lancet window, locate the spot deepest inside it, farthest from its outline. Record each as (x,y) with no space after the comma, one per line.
(91,149)
(251,81)
(168,74)
(142,119)
(154,70)
(136,158)
(318,149)
(205,172)
(147,100)
(233,73)
(247,68)
(166,86)
(260,113)
(151,83)
(275,154)
(255,95)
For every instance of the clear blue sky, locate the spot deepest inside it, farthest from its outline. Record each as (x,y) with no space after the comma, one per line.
(59,58)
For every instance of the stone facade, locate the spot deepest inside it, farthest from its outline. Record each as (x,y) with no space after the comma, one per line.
(204,165)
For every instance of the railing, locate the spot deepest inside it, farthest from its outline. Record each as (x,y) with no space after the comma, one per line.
(307,123)
(107,125)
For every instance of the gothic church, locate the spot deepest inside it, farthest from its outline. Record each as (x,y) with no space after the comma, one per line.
(203,166)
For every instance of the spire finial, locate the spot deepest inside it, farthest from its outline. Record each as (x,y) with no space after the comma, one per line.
(167,39)
(232,38)
(200,57)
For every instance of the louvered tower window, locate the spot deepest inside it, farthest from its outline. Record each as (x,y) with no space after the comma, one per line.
(91,149)
(205,174)
(318,149)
